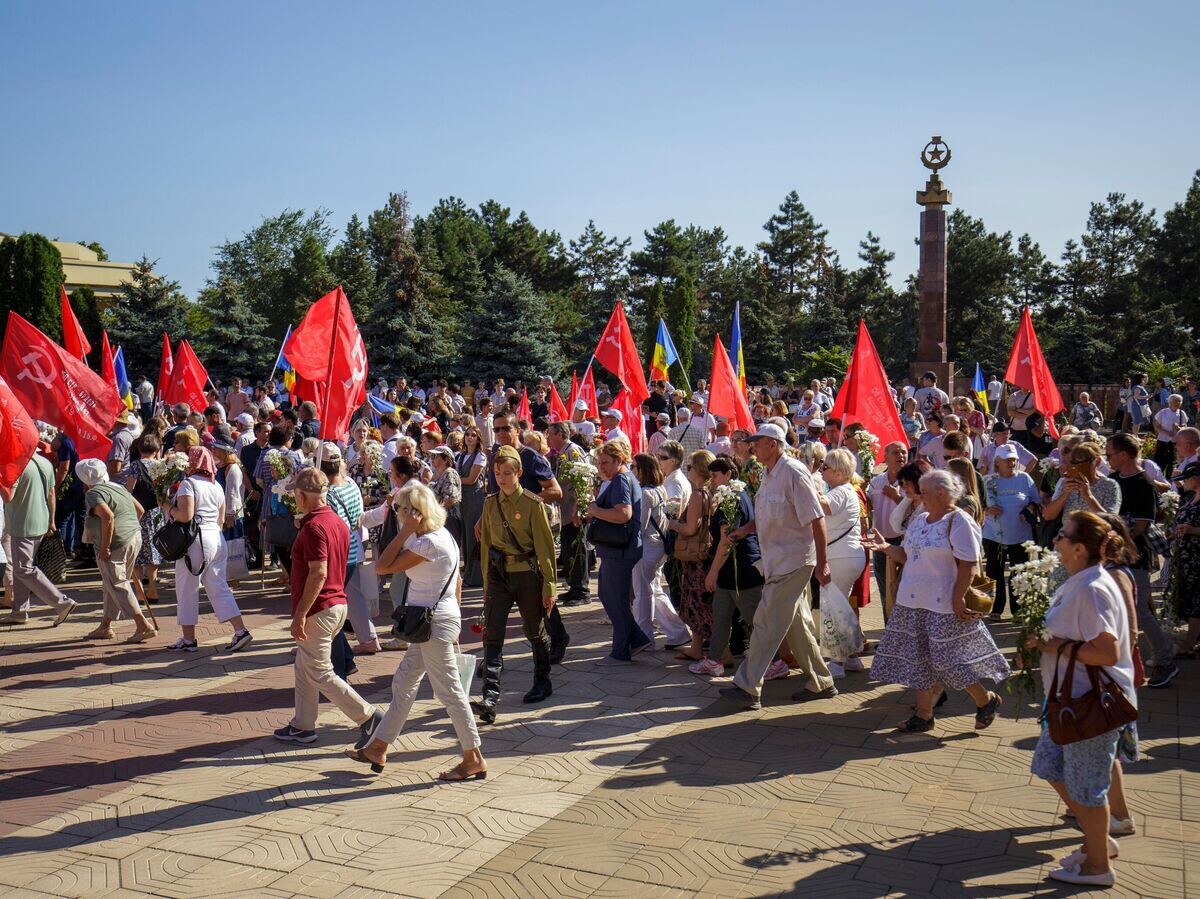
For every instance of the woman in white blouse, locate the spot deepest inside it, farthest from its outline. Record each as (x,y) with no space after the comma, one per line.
(931,639)
(426,552)
(843,525)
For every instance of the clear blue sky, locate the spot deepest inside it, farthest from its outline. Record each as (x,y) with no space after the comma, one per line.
(165,128)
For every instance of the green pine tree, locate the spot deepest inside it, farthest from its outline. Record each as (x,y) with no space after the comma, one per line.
(148,306)
(511,333)
(681,320)
(351,266)
(235,341)
(656,310)
(31,279)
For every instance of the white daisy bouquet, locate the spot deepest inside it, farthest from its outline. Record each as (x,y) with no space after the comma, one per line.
(1032,584)
(166,474)
(1050,470)
(1168,505)
(583,477)
(282,469)
(866,447)
(727,499)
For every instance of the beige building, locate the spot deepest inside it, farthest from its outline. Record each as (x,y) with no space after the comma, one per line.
(83,268)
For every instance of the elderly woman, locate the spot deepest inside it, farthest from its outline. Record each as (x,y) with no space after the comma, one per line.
(912,422)
(1088,613)
(650,603)
(112,527)
(447,488)
(931,638)
(733,577)
(406,448)
(617,514)
(693,551)
(844,522)
(471,465)
(199,497)
(1011,503)
(428,555)
(1085,414)
(345,499)
(1185,557)
(750,470)
(1082,488)
(140,483)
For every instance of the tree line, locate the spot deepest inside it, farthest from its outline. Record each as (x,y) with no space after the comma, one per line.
(479,292)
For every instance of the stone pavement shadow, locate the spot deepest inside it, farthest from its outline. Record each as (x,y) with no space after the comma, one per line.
(946,864)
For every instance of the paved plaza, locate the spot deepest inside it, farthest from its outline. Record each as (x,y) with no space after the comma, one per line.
(129,770)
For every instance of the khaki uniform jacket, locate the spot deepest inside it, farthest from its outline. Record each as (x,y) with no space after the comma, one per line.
(530,529)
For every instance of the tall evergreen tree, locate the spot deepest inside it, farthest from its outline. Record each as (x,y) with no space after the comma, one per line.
(148,306)
(31,279)
(236,340)
(601,271)
(352,267)
(1175,269)
(305,281)
(979,285)
(511,334)
(681,319)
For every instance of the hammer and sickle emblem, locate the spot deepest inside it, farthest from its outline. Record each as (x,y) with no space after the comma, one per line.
(358,363)
(33,370)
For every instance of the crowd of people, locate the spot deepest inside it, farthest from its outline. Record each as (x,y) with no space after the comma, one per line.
(745,554)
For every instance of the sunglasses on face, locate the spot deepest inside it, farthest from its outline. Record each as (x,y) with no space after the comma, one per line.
(1063,535)
(503,428)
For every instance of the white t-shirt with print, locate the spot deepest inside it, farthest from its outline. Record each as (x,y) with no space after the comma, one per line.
(931,567)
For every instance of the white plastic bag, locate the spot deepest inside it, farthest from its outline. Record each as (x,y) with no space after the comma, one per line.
(368,585)
(841,636)
(236,568)
(466,670)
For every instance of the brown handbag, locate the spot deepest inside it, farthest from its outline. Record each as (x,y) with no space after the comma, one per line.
(695,548)
(1102,709)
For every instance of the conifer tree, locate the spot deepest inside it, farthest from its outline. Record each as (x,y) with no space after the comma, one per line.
(681,319)
(511,333)
(148,306)
(236,340)
(31,279)
(352,267)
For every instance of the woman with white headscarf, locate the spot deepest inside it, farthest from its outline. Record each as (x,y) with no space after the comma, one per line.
(113,527)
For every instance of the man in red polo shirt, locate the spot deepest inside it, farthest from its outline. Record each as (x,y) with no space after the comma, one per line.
(318,585)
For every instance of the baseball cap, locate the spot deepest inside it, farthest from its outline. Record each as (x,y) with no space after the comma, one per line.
(816,422)
(774,432)
(330,453)
(1006,451)
(614,413)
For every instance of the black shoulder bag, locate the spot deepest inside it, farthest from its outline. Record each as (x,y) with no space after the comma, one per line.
(175,538)
(415,624)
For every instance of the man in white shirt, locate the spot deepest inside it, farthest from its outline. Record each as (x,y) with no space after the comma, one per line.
(389,430)
(1187,449)
(884,495)
(720,443)
(1168,421)
(580,422)
(930,398)
(995,391)
(792,538)
(612,425)
(662,427)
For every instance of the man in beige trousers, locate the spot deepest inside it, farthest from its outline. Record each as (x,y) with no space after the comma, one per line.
(792,538)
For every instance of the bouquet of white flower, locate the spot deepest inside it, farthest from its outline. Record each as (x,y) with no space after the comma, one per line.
(582,476)
(282,469)
(1051,472)
(1168,503)
(991,490)
(1032,587)
(866,447)
(166,474)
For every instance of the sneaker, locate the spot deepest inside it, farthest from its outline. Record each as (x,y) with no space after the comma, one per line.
(1077,857)
(366,730)
(1120,827)
(68,606)
(15,618)
(1074,874)
(777,670)
(736,694)
(240,641)
(836,670)
(1163,675)
(182,645)
(854,663)
(707,668)
(394,645)
(291,734)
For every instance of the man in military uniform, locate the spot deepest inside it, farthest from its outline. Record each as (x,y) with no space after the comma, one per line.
(573,554)
(518,569)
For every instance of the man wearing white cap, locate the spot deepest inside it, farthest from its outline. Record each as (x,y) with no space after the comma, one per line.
(792,537)
(612,425)
(661,432)
(113,527)
(580,422)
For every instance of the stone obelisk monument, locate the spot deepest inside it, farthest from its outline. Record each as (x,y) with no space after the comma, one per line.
(931,277)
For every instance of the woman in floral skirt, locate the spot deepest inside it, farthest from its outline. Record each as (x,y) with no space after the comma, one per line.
(692,537)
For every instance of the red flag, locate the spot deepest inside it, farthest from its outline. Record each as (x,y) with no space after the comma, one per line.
(558,412)
(617,351)
(74,339)
(587,393)
(632,424)
(55,387)
(108,371)
(326,347)
(523,412)
(1027,369)
(865,397)
(726,398)
(431,426)
(18,439)
(188,378)
(574,394)
(165,365)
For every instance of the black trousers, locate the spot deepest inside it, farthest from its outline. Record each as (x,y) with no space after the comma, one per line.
(1164,456)
(573,560)
(998,557)
(522,589)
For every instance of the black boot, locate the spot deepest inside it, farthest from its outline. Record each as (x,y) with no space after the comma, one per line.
(493,664)
(559,638)
(541,673)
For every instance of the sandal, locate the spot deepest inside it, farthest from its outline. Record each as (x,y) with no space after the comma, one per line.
(986,714)
(457,775)
(916,725)
(684,657)
(358,755)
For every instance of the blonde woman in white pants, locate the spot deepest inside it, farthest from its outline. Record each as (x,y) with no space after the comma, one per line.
(650,603)
(847,558)
(426,552)
(199,496)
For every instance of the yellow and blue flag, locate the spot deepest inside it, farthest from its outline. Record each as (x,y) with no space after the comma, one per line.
(281,363)
(980,389)
(122,376)
(736,356)
(664,354)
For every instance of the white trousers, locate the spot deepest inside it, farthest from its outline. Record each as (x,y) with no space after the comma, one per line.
(359,610)
(846,570)
(435,657)
(651,605)
(209,546)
